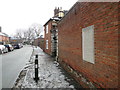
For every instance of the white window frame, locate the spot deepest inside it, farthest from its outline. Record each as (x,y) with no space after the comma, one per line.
(46,29)
(88,44)
(46,44)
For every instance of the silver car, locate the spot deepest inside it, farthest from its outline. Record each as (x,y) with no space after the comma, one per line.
(3,49)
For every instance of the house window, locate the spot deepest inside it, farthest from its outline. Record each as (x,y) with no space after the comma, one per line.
(88,44)
(46,44)
(46,29)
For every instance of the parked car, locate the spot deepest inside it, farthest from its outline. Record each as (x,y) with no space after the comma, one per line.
(18,46)
(3,49)
(0,51)
(9,46)
(21,45)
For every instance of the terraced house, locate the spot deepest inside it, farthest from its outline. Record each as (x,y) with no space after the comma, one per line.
(88,43)
(4,38)
(51,32)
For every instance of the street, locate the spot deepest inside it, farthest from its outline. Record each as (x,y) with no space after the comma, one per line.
(0,72)
(12,63)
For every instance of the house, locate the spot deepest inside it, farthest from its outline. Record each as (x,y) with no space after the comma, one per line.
(88,43)
(51,36)
(51,32)
(14,40)
(4,38)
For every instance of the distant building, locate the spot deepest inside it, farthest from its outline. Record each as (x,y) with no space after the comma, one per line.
(4,38)
(15,40)
(88,43)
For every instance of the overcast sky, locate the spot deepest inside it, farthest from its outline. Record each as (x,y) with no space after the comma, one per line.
(16,14)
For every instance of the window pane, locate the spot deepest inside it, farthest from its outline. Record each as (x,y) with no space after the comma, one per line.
(46,44)
(46,29)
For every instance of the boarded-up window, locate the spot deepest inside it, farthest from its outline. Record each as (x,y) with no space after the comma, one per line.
(88,44)
(46,44)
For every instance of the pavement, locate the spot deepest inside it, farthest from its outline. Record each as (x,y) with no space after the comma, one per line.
(51,74)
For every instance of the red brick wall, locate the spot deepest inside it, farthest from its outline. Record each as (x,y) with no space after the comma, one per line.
(4,39)
(41,43)
(48,37)
(104,17)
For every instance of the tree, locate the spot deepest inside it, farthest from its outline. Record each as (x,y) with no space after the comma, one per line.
(30,34)
(18,34)
(37,29)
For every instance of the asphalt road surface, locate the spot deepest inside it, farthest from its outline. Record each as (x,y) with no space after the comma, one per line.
(0,72)
(12,63)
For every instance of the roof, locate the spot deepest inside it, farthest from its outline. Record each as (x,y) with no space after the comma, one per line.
(69,11)
(13,38)
(3,34)
(57,19)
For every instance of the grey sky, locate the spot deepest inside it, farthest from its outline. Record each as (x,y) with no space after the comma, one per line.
(15,14)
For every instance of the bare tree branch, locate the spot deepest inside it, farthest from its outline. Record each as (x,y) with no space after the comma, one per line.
(30,34)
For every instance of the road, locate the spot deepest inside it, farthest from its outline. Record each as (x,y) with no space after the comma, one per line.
(0,72)
(12,63)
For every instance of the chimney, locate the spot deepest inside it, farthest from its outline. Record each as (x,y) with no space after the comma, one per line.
(56,11)
(0,29)
(60,9)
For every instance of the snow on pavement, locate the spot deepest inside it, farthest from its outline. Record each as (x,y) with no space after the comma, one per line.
(50,73)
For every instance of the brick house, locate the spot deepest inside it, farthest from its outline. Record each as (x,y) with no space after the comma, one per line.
(88,43)
(51,32)
(4,38)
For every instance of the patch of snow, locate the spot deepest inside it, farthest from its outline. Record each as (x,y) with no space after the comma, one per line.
(50,75)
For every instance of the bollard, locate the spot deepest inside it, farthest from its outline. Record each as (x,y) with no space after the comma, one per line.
(36,56)
(36,69)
